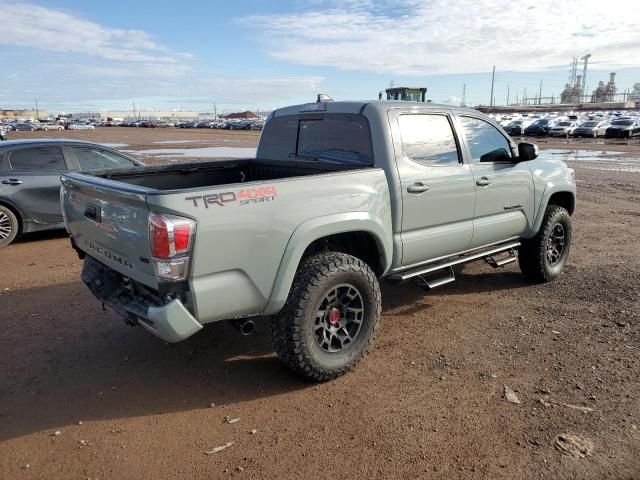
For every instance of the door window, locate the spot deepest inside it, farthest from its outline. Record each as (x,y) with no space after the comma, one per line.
(98,159)
(428,139)
(37,159)
(485,141)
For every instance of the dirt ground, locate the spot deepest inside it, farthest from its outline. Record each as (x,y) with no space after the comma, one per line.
(84,396)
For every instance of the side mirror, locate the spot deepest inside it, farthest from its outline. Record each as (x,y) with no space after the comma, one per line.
(527,151)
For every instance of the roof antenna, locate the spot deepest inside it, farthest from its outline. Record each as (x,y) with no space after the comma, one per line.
(323,97)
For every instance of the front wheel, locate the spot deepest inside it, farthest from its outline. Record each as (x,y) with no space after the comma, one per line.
(330,317)
(543,257)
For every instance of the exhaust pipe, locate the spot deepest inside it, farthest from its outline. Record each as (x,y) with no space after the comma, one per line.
(245,327)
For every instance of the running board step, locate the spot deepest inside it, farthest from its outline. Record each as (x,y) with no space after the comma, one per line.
(470,257)
(510,258)
(433,282)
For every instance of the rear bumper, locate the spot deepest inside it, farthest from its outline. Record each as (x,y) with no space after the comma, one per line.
(171,321)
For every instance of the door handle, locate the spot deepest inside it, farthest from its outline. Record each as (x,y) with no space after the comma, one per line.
(12,181)
(483,182)
(418,187)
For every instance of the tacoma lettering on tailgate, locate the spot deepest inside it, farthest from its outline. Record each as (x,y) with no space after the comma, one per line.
(107,254)
(246,196)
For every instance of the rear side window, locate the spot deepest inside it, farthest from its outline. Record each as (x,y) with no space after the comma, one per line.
(37,159)
(428,139)
(343,139)
(485,141)
(98,159)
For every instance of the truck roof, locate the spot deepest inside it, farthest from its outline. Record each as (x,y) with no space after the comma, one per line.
(357,106)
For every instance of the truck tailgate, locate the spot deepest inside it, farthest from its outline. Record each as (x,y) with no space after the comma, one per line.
(109,221)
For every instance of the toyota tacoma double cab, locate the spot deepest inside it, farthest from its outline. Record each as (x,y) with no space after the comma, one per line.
(340,196)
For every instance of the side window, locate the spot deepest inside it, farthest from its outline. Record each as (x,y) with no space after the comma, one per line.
(428,139)
(37,159)
(485,141)
(98,159)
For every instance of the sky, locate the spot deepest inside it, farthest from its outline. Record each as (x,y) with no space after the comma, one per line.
(79,55)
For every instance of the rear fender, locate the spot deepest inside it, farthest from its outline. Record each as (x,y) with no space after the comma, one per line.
(306,233)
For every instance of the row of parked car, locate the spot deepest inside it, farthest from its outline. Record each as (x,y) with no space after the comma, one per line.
(227,124)
(591,126)
(32,126)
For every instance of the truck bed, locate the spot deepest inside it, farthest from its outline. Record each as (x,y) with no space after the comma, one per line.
(209,174)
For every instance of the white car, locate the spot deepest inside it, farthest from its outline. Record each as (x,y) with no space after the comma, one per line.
(81,126)
(562,129)
(50,126)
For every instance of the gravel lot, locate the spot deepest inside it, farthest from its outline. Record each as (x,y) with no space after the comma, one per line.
(84,396)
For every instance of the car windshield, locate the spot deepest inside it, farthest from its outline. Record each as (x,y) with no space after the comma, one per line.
(589,124)
(564,124)
(622,122)
(542,121)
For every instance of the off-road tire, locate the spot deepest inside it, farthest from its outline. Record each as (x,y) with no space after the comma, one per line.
(8,220)
(293,328)
(532,255)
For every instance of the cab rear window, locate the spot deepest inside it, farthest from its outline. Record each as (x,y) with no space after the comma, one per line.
(329,138)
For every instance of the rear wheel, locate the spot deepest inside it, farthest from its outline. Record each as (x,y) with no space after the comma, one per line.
(330,317)
(542,257)
(9,226)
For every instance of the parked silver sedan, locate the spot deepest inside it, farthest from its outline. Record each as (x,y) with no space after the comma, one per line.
(562,129)
(81,126)
(592,128)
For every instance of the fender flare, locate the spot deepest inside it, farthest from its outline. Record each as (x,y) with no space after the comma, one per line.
(311,230)
(562,186)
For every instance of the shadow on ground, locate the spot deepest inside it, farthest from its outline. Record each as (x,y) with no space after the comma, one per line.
(64,359)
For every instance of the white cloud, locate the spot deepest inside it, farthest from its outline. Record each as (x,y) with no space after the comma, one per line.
(89,64)
(412,37)
(27,25)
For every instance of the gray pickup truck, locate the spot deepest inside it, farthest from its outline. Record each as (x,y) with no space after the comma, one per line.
(339,196)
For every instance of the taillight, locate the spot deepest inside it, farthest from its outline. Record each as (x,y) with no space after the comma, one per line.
(171,242)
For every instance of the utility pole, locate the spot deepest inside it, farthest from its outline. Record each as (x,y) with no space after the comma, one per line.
(464,95)
(215,110)
(37,110)
(493,77)
(540,93)
(524,97)
(508,88)
(134,108)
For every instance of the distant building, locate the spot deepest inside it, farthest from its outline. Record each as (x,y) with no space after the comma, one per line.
(25,114)
(246,114)
(84,115)
(152,115)
(634,96)
(572,93)
(605,93)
